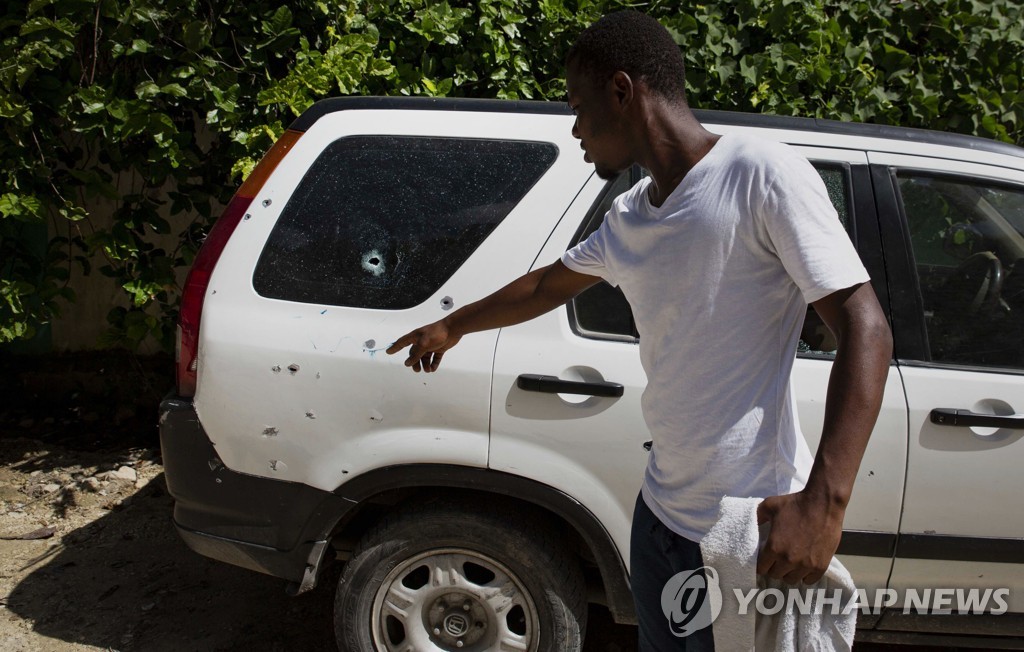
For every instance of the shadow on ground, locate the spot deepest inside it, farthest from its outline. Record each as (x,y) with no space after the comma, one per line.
(127,582)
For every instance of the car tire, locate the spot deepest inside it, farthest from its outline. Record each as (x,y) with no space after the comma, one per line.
(445,574)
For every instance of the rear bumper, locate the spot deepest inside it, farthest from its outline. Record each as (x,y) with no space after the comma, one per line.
(274,527)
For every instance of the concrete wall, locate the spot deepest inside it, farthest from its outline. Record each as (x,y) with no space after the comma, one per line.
(82,323)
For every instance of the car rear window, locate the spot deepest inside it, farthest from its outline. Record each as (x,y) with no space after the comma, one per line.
(383,221)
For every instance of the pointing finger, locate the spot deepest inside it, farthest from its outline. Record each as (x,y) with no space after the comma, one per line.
(401,343)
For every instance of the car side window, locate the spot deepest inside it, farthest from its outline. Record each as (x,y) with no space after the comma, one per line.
(383,221)
(603,312)
(967,237)
(816,340)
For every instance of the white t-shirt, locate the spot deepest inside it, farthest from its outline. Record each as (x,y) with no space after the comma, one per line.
(719,277)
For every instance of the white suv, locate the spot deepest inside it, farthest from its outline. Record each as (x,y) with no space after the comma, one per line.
(483,506)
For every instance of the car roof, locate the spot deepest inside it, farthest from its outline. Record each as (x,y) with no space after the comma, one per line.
(726,118)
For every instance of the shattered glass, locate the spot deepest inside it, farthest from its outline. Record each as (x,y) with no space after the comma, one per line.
(383,221)
(836,182)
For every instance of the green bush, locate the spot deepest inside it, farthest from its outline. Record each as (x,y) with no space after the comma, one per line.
(155,108)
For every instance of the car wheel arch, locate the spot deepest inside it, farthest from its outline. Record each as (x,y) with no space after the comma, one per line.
(375,493)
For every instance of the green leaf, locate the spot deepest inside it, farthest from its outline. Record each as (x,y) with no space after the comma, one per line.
(196,35)
(823,72)
(21,207)
(35,5)
(72,212)
(381,67)
(279,22)
(146,89)
(177,90)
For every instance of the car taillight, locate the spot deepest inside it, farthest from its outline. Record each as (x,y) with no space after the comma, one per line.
(194,293)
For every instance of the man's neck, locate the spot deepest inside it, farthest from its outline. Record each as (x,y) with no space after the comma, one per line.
(674,143)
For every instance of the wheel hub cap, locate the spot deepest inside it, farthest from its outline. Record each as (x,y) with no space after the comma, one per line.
(456,625)
(453,600)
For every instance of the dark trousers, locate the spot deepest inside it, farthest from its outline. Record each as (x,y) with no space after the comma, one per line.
(656,555)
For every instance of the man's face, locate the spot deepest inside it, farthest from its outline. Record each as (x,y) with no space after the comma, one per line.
(599,123)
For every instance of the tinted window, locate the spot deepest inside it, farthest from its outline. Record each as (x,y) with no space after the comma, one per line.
(815,337)
(602,311)
(383,221)
(969,255)
(837,183)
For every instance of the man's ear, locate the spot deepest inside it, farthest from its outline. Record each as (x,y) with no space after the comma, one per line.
(622,86)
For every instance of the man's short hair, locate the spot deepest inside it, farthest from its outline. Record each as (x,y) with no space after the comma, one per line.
(636,44)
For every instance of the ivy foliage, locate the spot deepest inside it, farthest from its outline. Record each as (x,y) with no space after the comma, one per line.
(146,113)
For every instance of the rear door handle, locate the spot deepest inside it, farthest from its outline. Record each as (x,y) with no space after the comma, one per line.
(555,385)
(967,419)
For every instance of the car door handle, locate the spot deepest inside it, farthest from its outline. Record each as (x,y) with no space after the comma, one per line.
(555,385)
(966,419)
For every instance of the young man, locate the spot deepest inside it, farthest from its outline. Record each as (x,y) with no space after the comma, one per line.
(719,252)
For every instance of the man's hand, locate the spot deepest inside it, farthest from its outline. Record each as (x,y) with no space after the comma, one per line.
(429,344)
(806,526)
(805,533)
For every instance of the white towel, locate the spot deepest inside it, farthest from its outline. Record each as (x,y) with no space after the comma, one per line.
(731,548)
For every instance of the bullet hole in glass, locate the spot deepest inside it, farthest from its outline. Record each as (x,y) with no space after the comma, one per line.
(407,213)
(373,263)
(447,303)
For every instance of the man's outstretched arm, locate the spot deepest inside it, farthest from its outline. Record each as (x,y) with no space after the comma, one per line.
(523,299)
(806,526)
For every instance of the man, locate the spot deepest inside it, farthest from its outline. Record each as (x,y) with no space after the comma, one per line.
(719,252)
